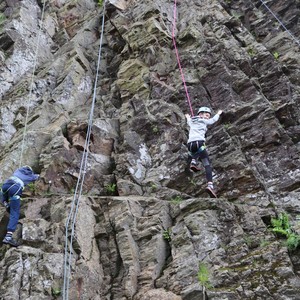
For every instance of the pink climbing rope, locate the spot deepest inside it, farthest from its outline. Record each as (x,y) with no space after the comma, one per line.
(178,60)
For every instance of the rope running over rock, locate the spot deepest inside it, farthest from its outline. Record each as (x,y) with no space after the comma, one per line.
(178,58)
(31,85)
(273,14)
(70,223)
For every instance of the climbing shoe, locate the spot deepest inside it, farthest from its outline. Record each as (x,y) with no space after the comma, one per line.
(211,192)
(194,166)
(10,241)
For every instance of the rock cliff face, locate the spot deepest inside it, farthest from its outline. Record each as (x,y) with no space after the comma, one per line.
(145,228)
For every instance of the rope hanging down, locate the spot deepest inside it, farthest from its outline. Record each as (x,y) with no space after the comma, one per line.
(31,84)
(178,59)
(79,186)
(279,21)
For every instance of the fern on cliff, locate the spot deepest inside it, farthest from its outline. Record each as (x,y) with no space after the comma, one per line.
(281,226)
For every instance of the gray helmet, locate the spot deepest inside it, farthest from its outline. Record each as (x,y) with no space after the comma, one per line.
(204,109)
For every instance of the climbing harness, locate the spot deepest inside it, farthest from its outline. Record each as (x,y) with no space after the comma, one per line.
(31,84)
(279,21)
(70,223)
(17,181)
(178,58)
(15,196)
(196,147)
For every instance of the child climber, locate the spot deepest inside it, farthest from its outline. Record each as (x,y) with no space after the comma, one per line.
(12,190)
(196,143)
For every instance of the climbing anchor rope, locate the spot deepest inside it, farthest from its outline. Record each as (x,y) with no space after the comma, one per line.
(71,219)
(31,84)
(280,22)
(178,58)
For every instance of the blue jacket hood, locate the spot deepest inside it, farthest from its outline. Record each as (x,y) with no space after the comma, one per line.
(26,174)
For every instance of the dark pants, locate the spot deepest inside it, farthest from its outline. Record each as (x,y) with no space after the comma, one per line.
(197,151)
(12,192)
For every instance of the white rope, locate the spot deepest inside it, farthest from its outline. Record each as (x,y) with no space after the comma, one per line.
(273,14)
(79,186)
(31,85)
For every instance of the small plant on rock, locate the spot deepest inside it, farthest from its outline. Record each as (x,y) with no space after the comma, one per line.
(176,200)
(32,187)
(251,52)
(111,188)
(55,291)
(293,241)
(281,226)
(167,235)
(276,55)
(203,277)
(153,187)
(101,2)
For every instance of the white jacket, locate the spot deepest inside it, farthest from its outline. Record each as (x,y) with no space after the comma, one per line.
(198,127)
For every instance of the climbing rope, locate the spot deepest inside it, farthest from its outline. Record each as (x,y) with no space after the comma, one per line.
(31,85)
(279,21)
(79,186)
(178,58)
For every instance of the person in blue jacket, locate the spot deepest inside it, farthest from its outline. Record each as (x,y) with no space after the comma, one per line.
(12,190)
(196,143)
